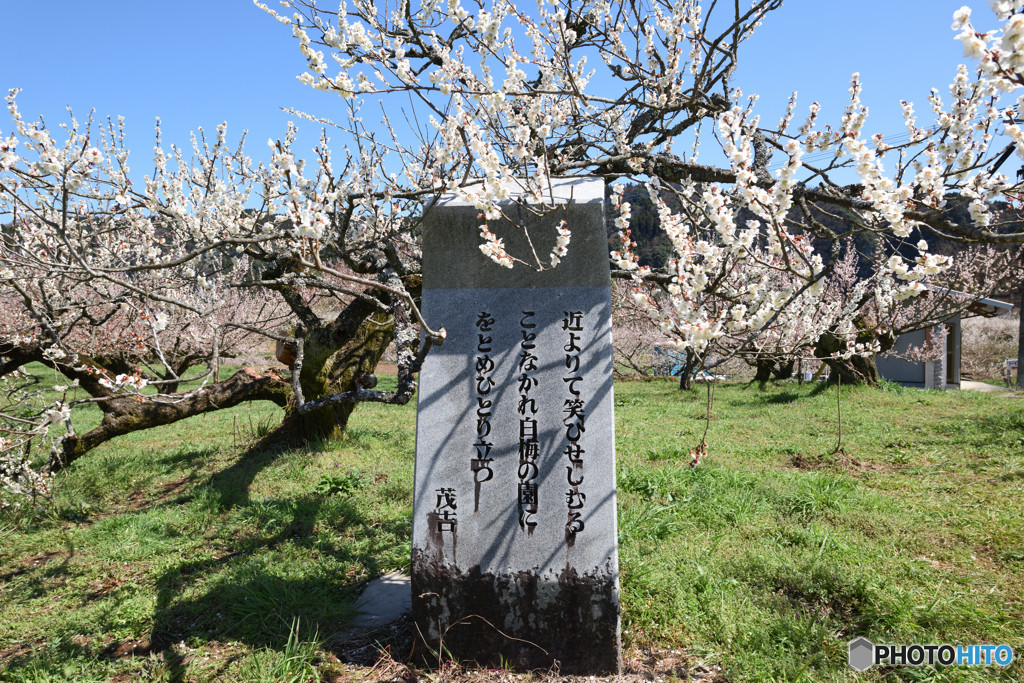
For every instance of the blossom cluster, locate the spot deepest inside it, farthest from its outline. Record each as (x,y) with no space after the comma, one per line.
(137,282)
(515,97)
(24,419)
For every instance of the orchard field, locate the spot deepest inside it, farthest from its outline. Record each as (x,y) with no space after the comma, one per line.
(192,552)
(185,542)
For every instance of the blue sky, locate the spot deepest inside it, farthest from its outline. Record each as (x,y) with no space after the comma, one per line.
(198,63)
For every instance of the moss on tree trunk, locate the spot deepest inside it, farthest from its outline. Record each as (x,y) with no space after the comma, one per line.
(326,370)
(126,414)
(855,369)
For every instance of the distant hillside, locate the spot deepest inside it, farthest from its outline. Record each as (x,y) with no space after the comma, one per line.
(654,249)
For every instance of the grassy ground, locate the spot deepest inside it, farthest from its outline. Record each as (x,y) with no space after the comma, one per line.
(189,553)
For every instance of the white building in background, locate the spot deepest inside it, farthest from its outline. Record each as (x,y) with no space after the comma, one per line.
(943,372)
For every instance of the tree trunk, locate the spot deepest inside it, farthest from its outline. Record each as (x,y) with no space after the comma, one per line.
(685,381)
(327,373)
(337,356)
(686,372)
(326,370)
(764,372)
(126,414)
(784,370)
(855,369)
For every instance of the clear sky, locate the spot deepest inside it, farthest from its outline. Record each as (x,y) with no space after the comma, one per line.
(196,63)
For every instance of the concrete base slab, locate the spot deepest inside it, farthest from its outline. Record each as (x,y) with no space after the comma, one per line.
(967,385)
(385,599)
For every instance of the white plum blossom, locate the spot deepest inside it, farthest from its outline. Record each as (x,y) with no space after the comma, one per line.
(561,244)
(503,97)
(494,248)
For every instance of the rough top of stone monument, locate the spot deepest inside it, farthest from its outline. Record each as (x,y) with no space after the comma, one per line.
(580,190)
(451,241)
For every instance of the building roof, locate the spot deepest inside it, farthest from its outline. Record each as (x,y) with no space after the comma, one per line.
(986,308)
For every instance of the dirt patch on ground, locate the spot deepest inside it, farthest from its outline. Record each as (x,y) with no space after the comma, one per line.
(128,648)
(387,653)
(145,499)
(171,663)
(34,562)
(650,666)
(395,653)
(837,462)
(112,577)
(103,587)
(15,651)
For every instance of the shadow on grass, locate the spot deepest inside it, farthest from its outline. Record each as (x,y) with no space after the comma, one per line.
(66,661)
(820,388)
(231,486)
(998,430)
(241,590)
(1005,419)
(774,394)
(190,457)
(252,599)
(783,397)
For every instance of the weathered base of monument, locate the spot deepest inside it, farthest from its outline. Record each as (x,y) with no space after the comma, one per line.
(523,621)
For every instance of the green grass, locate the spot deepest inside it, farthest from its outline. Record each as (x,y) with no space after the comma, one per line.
(772,555)
(187,553)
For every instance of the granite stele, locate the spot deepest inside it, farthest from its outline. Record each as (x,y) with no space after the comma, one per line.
(514,553)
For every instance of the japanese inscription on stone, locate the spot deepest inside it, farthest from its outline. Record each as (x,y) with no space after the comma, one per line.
(515,411)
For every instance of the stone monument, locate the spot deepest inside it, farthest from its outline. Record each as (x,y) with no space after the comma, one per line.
(514,541)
